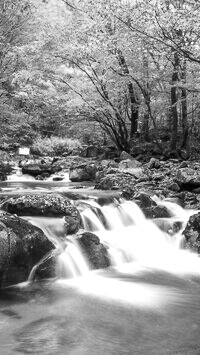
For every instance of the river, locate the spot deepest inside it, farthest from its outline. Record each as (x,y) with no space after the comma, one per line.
(131,308)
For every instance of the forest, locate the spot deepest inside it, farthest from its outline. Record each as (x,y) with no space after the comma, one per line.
(122,72)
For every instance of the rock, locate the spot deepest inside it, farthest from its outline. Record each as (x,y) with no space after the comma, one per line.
(188,178)
(39,177)
(154,163)
(58,178)
(22,246)
(83,172)
(156,212)
(95,252)
(40,167)
(138,173)
(72,224)
(144,200)
(108,182)
(174,187)
(45,205)
(192,234)
(125,156)
(42,205)
(129,164)
(183,165)
(45,175)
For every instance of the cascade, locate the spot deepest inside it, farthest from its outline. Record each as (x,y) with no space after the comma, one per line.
(130,238)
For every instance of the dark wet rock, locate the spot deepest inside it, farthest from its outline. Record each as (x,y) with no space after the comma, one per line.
(22,246)
(144,200)
(58,178)
(39,177)
(47,268)
(174,187)
(95,252)
(72,224)
(192,234)
(188,178)
(41,167)
(45,175)
(83,172)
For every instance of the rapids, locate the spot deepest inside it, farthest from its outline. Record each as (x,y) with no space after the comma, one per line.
(147,303)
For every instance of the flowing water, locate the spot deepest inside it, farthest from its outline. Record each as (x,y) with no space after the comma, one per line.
(147,303)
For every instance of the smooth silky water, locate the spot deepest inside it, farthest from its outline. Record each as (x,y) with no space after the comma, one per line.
(148,302)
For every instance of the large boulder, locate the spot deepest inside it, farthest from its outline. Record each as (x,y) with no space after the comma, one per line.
(22,246)
(192,234)
(188,178)
(83,172)
(40,167)
(95,252)
(49,205)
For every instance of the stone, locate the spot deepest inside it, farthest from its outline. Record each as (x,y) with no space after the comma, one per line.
(83,172)
(154,163)
(174,187)
(47,205)
(129,164)
(40,167)
(138,173)
(188,178)
(144,200)
(124,156)
(72,224)
(192,234)
(95,252)
(184,164)
(22,246)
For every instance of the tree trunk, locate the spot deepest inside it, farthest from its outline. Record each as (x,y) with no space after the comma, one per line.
(174,99)
(184,108)
(134,105)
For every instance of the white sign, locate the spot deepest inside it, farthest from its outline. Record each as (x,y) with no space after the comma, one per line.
(24,151)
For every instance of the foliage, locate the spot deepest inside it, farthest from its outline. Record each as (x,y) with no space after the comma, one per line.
(54,146)
(93,69)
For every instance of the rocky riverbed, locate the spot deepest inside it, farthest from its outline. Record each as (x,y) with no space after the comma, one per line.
(23,245)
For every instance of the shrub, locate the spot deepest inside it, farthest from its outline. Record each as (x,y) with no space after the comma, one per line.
(54,146)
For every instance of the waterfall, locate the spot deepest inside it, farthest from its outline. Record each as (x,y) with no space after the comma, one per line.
(130,237)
